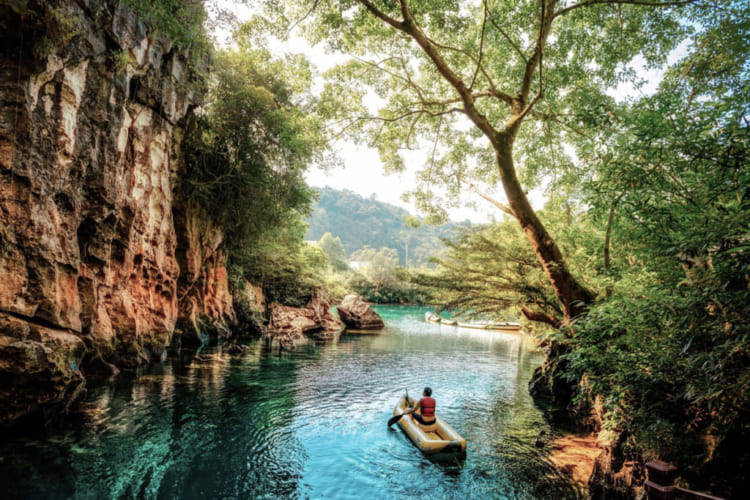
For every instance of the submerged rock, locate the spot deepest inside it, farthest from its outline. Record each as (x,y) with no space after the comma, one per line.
(355,313)
(40,370)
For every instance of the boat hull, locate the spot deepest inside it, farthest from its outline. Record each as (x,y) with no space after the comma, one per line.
(505,327)
(476,326)
(431,317)
(432,439)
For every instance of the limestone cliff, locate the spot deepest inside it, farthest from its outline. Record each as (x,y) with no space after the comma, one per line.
(98,258)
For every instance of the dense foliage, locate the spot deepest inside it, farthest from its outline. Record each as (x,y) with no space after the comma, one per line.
(670,349)
(180,21)
(376,275)
(245,156)
(491,272)
(665,243)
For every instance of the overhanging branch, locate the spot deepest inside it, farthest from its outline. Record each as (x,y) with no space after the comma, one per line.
(487,197)
(541,317)
(623,2)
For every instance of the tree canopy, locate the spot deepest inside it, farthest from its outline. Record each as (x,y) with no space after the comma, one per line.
(463,78)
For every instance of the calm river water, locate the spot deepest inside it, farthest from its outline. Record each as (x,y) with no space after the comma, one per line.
(305,424)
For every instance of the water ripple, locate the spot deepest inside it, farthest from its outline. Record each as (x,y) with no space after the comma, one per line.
(307,424)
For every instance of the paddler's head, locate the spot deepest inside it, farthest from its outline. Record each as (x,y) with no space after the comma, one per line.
(427,392)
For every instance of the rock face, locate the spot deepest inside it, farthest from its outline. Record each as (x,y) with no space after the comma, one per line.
(355,313)
(39,368)
(291,324)
(202,286)
(548,383)
(92,267)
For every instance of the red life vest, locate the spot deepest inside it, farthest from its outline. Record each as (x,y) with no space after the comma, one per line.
(427,404)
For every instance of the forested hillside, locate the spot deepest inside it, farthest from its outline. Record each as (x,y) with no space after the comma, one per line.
(366,222)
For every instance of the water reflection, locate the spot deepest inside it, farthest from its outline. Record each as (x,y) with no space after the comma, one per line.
(306,424)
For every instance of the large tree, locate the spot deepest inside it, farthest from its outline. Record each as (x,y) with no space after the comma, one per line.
(499,64)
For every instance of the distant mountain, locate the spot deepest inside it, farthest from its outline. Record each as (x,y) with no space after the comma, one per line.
(361,222)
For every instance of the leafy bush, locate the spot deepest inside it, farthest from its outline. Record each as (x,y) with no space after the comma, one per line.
(245,156)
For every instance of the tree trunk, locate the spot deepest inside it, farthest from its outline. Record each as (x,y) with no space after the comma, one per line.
(573,296)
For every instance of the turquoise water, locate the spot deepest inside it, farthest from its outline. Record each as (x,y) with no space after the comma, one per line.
(305,424)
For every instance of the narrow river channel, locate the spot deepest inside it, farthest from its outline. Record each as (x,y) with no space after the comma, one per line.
(305,424)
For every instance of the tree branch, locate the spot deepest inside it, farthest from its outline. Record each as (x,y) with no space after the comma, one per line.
(476,95)
(434,147)
(542,317)
(505,35)
(481,48)
(380,14)
(410,28)
(550,118)
(473,59)
(406,80)
(391,119)
(608,231)
(623,2)
(535,62)
(295,23)
(487,197)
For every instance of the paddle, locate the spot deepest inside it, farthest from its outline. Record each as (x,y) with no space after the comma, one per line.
(396,418)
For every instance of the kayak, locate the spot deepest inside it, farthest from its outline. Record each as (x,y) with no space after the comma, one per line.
(438,437)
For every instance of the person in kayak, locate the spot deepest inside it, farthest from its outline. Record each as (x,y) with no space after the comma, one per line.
(427,405)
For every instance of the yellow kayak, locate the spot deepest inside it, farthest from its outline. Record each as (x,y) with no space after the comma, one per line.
(438,437)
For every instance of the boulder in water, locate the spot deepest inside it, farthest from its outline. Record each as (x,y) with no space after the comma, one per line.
(291,323)
(355,313)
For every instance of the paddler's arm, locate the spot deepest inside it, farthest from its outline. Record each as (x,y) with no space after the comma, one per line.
(408,412)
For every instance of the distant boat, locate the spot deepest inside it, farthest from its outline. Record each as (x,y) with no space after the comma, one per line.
(505,326)
(478,326)
(450,322)
(431,317)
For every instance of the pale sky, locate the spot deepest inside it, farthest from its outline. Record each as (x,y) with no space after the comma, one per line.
(362,171)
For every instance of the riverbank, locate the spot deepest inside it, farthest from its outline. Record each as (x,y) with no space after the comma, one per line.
(576,455)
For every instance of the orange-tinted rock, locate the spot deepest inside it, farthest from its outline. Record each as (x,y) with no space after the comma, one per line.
(355,313)
(88,162)
(202,286)
(291,323)
(575,455)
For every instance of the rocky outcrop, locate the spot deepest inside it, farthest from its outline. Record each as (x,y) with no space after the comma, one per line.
(616,476)
(202,287)
(548,382)
(249,309)
(92,268)
(575,455)
(291,324)
(355,313)
(38,368)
